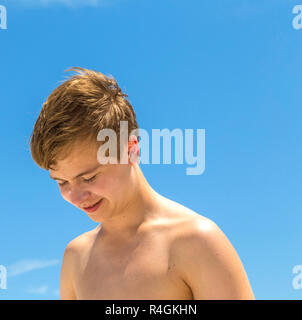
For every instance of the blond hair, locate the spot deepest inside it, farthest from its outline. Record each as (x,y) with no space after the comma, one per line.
(78,109)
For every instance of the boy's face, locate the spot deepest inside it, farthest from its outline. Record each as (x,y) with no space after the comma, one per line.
(111,184)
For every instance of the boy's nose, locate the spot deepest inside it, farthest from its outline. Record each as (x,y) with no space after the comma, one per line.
(78,196)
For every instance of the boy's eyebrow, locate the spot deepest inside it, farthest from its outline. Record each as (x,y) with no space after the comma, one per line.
(79,175)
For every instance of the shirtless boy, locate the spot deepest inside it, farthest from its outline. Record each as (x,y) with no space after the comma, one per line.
(145,247)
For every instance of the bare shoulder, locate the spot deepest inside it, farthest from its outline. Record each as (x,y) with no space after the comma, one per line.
(72,258)
(187,227)
(196,232)
(192,227)
(193,232)
(205,259)
(78,244)
(186,222)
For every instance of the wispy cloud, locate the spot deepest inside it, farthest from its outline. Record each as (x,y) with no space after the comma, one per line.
(67,3)
(40,290)
(43,290)
(23,266)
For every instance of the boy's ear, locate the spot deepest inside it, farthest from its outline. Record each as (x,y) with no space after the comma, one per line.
(133,149)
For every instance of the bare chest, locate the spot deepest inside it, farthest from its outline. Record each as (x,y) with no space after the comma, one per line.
(142,271)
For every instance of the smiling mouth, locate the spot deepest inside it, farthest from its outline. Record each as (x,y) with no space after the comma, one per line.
(93,204)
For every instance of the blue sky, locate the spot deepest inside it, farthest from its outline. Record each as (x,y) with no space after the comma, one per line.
(233,70)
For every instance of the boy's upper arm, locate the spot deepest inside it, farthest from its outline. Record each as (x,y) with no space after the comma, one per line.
(67,289)
(210,265)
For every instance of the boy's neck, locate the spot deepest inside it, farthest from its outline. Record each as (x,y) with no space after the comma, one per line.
(140,208)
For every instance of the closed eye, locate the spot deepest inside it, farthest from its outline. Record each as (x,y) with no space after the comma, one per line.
(86,180)
(90,180)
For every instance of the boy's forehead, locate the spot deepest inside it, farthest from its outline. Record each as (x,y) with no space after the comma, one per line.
(81,156)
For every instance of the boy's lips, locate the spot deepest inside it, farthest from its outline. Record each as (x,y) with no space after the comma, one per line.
(93,205)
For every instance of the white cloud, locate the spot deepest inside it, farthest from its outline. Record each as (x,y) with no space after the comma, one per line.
(67,3)
(40,290)
(23,266)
